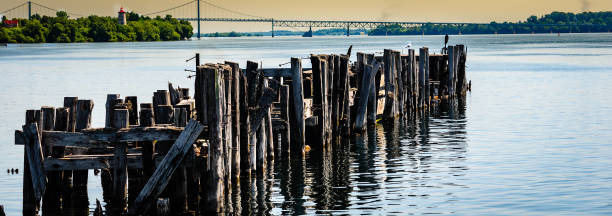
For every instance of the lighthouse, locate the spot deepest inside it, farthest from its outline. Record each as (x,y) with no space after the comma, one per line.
(121,17)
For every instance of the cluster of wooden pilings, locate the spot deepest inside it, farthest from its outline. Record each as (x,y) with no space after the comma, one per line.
(181,155)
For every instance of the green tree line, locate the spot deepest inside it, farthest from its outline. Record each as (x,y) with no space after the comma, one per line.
(61,29)
(563,22)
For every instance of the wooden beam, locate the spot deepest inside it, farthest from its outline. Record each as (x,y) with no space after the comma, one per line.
(85,162)
(172,160)
(100,137)
(34,154)
(279,72)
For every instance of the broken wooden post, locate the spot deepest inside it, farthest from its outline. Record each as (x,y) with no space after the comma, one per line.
(147,119)
(366,84)
(452,59)
(35,157)
(319,98)
(132,106)
(111,101)
(30,203)
(180,117)
(164,114)
(215,179)
(245,159)
(372,107)
(236,119)
(284,115)
(297,114)
(157,183)
(162,98)
(147,116)
(80,177)
(120,171)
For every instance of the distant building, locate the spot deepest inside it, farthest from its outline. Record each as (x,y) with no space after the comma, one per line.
(121,19)
(11,23)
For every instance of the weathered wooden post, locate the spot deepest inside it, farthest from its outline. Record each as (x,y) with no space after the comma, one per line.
(31,203)
(452,59)
(236,120)
(269,133)
(34,155)
(344,95)
(162,106)
(245,159)
(422,78)
(284,115)
(297,114)
(132,103)
(214,181)
(120,170)
(366,84)
(70,103)
(79,178)
(390,90)
(319,98)
(253,76)
(399,83)
(147,119)
(372,103)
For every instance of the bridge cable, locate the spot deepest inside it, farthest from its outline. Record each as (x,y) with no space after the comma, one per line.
(57,10)
(229,10)
(6,11)
(169,9)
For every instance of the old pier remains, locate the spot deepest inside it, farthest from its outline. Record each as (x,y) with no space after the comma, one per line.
(183,155)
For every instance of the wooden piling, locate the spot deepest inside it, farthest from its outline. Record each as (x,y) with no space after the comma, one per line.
(236,120)
(284,116)
(215,179)
(80,177)
(120,170)
(132,106)
(245,159)
(297,114)
(366,83)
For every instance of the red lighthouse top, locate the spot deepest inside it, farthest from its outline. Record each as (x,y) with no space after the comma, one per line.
(121,11)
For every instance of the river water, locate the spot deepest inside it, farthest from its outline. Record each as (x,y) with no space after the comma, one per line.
(533,137)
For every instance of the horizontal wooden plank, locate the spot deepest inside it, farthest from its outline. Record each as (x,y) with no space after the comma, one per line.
(84,162)
(105,137)
(279,72)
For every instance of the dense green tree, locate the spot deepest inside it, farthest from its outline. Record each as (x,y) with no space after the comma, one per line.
(62,29)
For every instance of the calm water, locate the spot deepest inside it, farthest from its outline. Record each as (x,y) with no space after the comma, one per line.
(534,137)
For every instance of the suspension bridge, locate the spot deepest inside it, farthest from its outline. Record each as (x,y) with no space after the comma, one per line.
(203,11)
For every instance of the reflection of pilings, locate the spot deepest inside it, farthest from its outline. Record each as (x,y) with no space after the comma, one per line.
(245,196)
(340,165)
(284,173)
(319,162)
(297,185)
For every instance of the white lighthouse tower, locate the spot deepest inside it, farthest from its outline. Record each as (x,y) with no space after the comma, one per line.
(121,19)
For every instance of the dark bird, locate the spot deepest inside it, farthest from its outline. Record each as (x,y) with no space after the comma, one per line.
(445,40)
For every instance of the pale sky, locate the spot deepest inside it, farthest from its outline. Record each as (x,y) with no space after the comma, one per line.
(372,10)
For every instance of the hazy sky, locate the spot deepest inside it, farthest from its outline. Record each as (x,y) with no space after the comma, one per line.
(377,10)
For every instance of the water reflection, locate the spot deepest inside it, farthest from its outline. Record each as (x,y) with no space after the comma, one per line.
(411,167)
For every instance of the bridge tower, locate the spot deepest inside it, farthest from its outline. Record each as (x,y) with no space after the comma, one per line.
(348,30)
(198,19)
(29,10)
(272,27)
